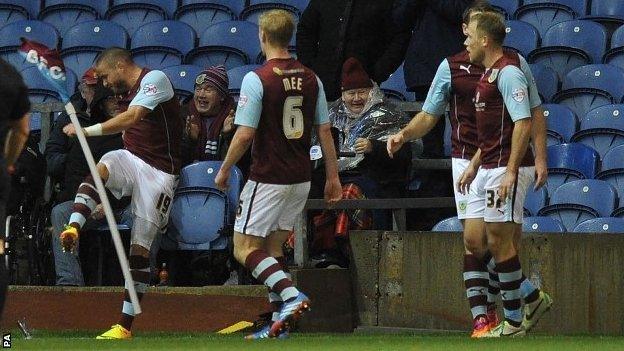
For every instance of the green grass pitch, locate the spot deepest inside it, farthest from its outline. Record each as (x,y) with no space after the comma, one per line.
(357,342)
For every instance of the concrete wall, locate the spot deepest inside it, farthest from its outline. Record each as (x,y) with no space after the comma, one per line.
(418,282)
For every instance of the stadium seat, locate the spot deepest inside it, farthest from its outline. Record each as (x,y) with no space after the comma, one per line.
(252,12)
(561,124)
(63,14)
(615,56)
(506,7)
(535,199)
(236,75)
(201,14)
(612,169)
(580,200)
(33,30)
(571,44)
(13,10)
(602,128)
(84,41)
(569,162)
(162,43)
(609,13)
(131,14)
(394,87)
(591,86)
(452,224)
(601,225)
(232,44)
(201,215)
(521,37)
(618,212)
(542,225)
(543,14)
(183,79)
(547,81)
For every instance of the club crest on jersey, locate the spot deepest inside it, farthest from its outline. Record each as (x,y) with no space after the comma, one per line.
(518,94)
(242,100)
(150,90)
(462,206)
(493,76)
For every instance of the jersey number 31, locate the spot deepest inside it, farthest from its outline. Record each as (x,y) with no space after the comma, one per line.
(293,117)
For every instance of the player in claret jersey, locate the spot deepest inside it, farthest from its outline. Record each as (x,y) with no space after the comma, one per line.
(503,120)
(279,105)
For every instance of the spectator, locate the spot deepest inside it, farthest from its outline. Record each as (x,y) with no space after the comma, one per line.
(436,34)
(67,163)
(361,121)
(330,31)
(209,118)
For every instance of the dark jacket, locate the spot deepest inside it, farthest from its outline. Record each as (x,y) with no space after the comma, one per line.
(437,33)
(66,161)
(330,31)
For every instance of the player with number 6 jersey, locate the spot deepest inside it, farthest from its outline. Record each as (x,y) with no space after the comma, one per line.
(279,105)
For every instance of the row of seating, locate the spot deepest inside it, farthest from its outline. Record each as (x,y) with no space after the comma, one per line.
(611,225)
(131,14)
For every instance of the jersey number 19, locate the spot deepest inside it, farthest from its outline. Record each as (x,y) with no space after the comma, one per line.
(293,117)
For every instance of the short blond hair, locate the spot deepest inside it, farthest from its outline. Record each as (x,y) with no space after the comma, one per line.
(492,25)
(278,25)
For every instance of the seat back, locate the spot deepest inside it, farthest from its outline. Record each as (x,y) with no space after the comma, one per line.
(615,56)
(506,7)
(395,88)
(452,224)
(546,79)
(11,33)
(99,33)
(521,36)
(542,14)
(569,162)
(133,14)
(535,200)
(201,14)
(12,11)
(613,169)
(252,12)
(579,7)
(561,124)
(602,128)
(183,78)
(607,8)
(232,44)
(170,34)
(236,75)
(542,225)
(601,225)
(65,14)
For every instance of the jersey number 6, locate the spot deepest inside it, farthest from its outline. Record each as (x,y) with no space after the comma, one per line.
(293,117)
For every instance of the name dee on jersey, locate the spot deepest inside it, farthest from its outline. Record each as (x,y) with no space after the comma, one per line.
(292,83)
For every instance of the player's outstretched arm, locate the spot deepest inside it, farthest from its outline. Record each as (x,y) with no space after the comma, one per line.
(333,189)
(417,128)
(538,137)
(114,125)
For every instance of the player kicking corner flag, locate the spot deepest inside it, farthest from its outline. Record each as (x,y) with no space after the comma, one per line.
(50,65)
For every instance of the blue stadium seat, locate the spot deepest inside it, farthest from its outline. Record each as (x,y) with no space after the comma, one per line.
(506,7)
(84,41)
(580,200)
(547,81)
(569,162)
(236,75)
(571,44)
(452,224)
(201,215)
(162,43)
(543,14)
(183,79)
(615,56)
(612,169)
(33,30)
(561,124)
(252,12)
(131,14)
(63,14)
(601,225)
(14,10)
(602,128)
(618,212)
(591,86)
(609,13)
(394,87)
(521,37)
(232,44)
(535,199)
(542,225)
(201,14)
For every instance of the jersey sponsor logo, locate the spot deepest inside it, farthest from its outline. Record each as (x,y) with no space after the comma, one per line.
(493,76)
(479,106)
(150,89)
(518,94)
(242,100)
(465,68)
